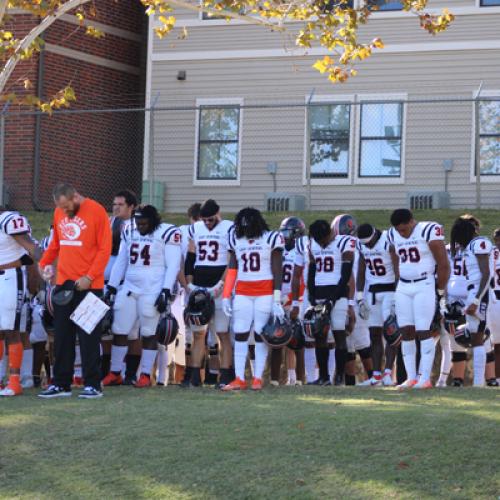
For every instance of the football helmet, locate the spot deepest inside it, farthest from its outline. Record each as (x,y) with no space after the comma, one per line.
(167,329)
(344,224)
(463,335)
(317,322)
(454,312)
(392,335)
(298,340)
(292,228)
(277,333)
(63,294)
(200,307)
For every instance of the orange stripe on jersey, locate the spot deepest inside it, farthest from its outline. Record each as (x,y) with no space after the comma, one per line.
(254,288)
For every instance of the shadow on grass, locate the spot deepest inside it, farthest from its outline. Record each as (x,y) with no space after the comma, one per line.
(305,443)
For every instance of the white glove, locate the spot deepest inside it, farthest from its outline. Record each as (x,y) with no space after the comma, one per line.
(363,309)
(278,311)
(226,307)
(48,272)
(442,306)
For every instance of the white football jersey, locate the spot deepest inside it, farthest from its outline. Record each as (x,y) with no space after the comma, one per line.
(143,261)
(378,261)
(415,257)
(288,262)
(254,256)
(457,284)
(496,268)
(329,259)
(478,246)
(12,223)
(211,245)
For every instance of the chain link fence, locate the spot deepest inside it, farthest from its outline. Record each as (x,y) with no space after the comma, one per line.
(323,153)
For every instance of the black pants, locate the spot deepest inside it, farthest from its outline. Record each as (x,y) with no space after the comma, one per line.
(64,346)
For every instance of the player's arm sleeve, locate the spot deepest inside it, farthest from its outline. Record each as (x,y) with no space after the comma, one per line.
(120,265)
(104,241)
(173,259)
(52,250)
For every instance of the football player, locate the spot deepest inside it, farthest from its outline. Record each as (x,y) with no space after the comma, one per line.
(205,267)
(148,262)
(124,204)
(17,249)
(291,229)
(377,268)
(329,274)
(423,266)
(358,334)
(494,307)
(477,259)
(256,259)
(180,351)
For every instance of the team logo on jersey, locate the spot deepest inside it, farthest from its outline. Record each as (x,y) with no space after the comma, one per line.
(71,229)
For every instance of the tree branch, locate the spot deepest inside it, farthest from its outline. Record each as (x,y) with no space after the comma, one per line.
(31,37)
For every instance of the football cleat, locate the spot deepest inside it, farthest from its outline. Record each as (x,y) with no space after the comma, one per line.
(457,382)
(407,384)
(112,379)
(256,384)
(129,380)
(144,381)
(387,380)
(373,381)
(27,383)
(236,385)
(274,383)
(441,384)
(12,389)
(423,384)
(492,382)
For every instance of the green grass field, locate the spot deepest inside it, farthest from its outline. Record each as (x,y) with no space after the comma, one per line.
(280,443)
(490,219)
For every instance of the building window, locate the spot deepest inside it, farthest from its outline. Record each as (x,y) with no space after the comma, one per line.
(488,3)
(380,139)
(384,5)
(489,137)
(329,140)
(218,142)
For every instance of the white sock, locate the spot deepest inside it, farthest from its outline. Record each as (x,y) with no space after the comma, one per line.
(387,371)
(310,363)
(77,370)
(409,350)
(331,364)
(162,363)
(444,340)
(479,364)
(427,352)
(240,358)
(118,353)
(316,373)
(261,351)
(292,376)
(147,360)
(27,364)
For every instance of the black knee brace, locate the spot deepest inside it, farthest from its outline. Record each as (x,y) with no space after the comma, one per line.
(241,337)
(365,353)
(213,350)
(458,356)
(490,357)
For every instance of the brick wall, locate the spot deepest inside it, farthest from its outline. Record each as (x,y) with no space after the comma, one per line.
(99,152)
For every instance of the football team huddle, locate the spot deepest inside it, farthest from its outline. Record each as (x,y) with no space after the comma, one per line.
(226,302)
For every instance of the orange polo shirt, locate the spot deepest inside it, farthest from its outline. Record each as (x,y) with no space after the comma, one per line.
(82,244)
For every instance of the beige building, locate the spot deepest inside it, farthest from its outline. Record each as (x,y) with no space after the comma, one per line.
(240,115)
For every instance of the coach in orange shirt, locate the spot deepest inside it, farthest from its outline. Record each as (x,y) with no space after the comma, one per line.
(82,245)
